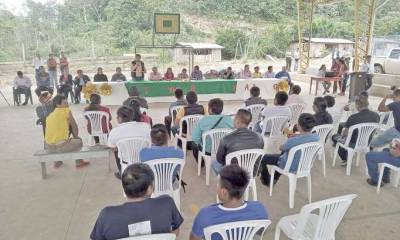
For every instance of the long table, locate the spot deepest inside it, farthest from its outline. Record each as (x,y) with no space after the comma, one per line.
(163,92)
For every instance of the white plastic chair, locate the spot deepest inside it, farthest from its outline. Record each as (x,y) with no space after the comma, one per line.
(276,124)
(215,136)
(164,177)
(129,149)
(191,122)
(256,110)
(308,153)
(296,109)
(96,118)
(364,130)
(173,111)
(382,167)
(316,221)
(241,230)
(389,120)
(323,132)
(162,236)
(247,160)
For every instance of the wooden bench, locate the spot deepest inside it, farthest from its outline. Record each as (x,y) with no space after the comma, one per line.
(96,152)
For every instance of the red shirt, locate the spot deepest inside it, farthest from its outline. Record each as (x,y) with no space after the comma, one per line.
(104,123)
(169,76)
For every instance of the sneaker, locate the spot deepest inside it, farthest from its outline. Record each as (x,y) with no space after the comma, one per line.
(58,164)
(343,164)
(117,175)
(82,164)
(24,104)
(374,184)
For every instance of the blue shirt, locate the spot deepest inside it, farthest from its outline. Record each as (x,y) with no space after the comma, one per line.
(158,152)
(282,74)
(217,214)
(291,143)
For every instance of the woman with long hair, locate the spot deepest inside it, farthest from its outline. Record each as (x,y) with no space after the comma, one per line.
(95,105)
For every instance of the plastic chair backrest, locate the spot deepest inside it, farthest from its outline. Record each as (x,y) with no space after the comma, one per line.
(388,116)
(215,136)
(256,110)
(277,124)
(296,109)
(96,119)
(173,111)
(364,132)
(308,154)
(164,177)
(331,213)
(246,159)
(323,131)
(162,236)
(191,122)
(129,150)
(242,230)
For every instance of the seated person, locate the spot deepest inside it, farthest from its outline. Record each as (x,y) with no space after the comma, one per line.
(278,109)
(79,82)
(180,100)
(44,109)
(257,73)
(233,182)
(95,105)
(169,75)
(155,75)
(334,110)
(43,82)
(141,214)
(305,124)
(386,137)
(246,73)
(322,73)
(390,156)
(118,76)
(183,75)
(22,85)
(137,111)
(214,120)
(100,76)
(255,97)
(240,139)
(65,84)
(60,124)
(321,115)
(364,115)
(192,108)
(270,73)
(129,127)
(197,74)
(284,74)
(134,94)
(294,95)
(228,74)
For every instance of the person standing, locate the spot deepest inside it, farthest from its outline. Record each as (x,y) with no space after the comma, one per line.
(335,68)
(118,76)
(64,64)
(344,74)
(43,83)
(22,85)
(37,63)
(65,84)
(52,69)
(368,68)
(138,68)
(289,60)
(100,76)
(79,82)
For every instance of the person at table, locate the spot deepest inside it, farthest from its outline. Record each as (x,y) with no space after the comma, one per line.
(364,115)
(192,108)
(214,120)
(255,97)
(100,76)
(180,101)
(64,64)
(134,94)
(278,109)
(129,126)
(43,83)
(335,68)
(79,82)
(22,85)
(169,75)
(228,74)
(344,74)
(246,73)
(305,124)
(60,124)
(322,73)
(241,138)
(232,184)
(197,74)
(141,214)
(155,75)
(65,84)
(269,73)
(183,75)
(118,76)
(387,136)
(368,68)
(95,105)
(388,155)
(294,95)
(52,69)
(257,73)
(138,68)
(284,74)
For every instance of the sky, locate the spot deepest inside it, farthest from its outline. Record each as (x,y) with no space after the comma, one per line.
(16,6)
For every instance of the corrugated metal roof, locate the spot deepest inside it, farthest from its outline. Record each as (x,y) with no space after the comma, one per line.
(200,45)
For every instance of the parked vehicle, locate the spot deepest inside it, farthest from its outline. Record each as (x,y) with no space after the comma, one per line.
(389,64)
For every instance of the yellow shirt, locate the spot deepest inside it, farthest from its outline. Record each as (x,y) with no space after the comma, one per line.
(257,75)
(57,126)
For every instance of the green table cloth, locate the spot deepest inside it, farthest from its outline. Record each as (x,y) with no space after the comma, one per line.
(167,88)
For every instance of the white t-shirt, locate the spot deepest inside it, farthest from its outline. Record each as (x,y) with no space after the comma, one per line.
(37,63)
(272,111)
(128,130)
(294,98)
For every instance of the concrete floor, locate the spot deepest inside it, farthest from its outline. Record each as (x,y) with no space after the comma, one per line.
(66,204)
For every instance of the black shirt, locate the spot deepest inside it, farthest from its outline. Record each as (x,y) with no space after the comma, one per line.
(322,118)
(118,77)
(364,116)
(100,78)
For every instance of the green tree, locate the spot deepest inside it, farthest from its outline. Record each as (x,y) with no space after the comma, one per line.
(229,38)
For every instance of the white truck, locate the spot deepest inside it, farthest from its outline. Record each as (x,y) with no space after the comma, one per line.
(389,64)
